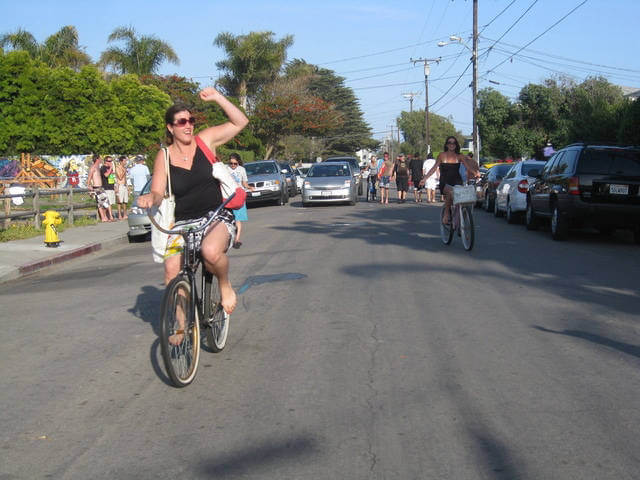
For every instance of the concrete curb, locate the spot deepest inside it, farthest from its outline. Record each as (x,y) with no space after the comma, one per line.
(43,264)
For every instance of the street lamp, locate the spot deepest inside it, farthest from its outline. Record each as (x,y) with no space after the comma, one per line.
(474,85)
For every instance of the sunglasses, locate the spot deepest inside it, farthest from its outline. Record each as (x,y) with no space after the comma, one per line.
(233,164)
(183,121)
(452,143)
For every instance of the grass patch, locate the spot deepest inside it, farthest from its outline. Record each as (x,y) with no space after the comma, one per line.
(22,230)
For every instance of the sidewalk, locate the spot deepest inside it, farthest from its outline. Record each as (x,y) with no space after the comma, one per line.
(21,257)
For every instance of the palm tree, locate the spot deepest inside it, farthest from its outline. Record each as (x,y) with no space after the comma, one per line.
(140,55)
(62,50)
(59,50)
(21,40)
(252,62)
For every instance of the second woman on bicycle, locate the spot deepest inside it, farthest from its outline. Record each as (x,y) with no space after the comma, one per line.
(449,161)
(196,191)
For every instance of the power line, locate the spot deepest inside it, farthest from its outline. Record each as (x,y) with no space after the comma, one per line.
(494,18)
(536,38)
(512,25)
(452,85)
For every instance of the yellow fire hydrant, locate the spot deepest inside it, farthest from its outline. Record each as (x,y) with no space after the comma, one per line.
(51,219)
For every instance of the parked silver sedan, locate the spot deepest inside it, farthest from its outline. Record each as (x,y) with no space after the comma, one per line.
(511,193)
(329,182)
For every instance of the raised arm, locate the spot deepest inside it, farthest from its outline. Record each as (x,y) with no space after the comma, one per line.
(221,134)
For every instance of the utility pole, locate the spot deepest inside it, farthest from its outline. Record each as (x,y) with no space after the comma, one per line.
(427,69)
(476,140)
(410,96)
(391,141)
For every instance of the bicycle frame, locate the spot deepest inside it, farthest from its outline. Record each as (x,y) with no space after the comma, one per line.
(191,258)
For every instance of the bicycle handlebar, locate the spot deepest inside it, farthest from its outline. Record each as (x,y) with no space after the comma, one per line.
(202,227)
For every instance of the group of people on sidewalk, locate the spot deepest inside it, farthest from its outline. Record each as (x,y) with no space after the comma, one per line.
(404,171)
(109,185)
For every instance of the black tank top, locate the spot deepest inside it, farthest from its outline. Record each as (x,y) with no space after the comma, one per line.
(450,174)
(197,192)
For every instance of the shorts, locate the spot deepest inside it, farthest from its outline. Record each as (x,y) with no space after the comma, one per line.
(123,194)
(416,183)
(402,184)
(102,200)
(111,195)
(384,182)
(175,242)
(241,214)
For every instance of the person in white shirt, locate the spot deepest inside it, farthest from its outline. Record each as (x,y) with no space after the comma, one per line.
(432,181)
(139,175)
(240,175)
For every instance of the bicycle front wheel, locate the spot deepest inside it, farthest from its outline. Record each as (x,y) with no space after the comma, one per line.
(214,315)
(467,230)
(446,230)
(180,332)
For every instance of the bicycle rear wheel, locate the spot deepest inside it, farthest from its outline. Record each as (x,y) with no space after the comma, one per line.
(467,230)
(179,332)
(215,317)
(446,230)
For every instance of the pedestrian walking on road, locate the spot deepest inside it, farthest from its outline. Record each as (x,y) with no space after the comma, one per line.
(432,182)
(401,174)
(384,174)
(415,168)
(240,175)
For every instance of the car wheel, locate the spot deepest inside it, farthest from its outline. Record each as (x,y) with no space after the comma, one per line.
(485,202)
(511,217)
(559,224)
(496,211)
(530,218)
(636,235)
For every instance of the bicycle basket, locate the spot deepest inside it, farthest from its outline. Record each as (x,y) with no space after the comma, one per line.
(464,194)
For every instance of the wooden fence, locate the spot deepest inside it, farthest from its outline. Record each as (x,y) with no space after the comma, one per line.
(69,207)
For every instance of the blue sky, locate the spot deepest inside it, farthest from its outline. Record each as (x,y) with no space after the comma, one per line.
(370,43)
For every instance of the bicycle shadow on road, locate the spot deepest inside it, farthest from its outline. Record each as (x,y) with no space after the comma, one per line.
(147,306)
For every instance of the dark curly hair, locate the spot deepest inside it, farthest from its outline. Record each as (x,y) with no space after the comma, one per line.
(169,118)
(444,149)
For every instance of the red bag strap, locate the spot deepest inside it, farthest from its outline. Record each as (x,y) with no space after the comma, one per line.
(206,150)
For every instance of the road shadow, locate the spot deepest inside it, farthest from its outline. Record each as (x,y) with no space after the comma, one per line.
(626,348)
(148,305)
(560,268)
(268,454)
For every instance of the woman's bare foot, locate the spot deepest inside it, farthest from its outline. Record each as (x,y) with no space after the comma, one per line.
(228,298)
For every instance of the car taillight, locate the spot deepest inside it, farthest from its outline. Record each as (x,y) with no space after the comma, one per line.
(523,186)
(574,186)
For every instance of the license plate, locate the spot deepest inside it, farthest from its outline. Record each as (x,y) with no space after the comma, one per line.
(326,194)
(619,189)
(255,194)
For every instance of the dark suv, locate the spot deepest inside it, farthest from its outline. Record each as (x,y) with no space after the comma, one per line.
(587,185)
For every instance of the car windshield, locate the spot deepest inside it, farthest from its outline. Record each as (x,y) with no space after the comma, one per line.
(502,169)
(260,168)
(329,171)
(303,170)
(527,167)
(610,162)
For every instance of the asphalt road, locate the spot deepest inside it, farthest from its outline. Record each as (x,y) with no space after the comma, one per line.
(362,348)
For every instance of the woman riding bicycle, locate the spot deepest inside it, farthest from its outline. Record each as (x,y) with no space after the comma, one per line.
(449,163)
(196,191)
